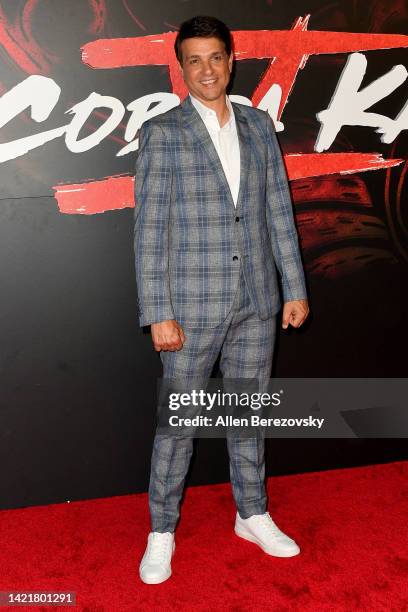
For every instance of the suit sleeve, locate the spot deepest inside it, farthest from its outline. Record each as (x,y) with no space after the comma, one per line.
(280,220)
(153,182)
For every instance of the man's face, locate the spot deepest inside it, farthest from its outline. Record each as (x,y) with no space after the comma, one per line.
(206,67)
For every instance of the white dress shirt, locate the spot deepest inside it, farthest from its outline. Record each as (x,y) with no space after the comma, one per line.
(226,142)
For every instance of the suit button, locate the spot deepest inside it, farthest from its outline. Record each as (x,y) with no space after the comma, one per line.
(235,258)
(237,219)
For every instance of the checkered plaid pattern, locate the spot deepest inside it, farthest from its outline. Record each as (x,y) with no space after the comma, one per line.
(212,267)
(246,346)
(190,240)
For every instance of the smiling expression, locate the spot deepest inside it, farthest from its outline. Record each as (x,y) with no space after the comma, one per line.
(206,68)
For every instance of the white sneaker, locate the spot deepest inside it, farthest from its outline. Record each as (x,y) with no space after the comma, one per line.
(261,530)
(155,567)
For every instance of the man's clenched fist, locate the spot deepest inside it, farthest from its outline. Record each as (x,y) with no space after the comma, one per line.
(294,313)
(167,335)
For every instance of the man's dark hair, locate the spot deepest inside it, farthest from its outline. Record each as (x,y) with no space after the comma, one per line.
(205,27)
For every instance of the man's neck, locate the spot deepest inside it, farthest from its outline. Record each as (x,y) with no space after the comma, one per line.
(219,106)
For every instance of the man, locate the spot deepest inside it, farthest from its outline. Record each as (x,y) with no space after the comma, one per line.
(213,220)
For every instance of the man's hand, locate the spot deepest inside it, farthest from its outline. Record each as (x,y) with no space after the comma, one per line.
(294,313)
(167,335)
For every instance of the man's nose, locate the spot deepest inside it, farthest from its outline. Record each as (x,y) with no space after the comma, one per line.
(207,68)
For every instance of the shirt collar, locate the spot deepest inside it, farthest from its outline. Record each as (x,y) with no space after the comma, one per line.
(207,113)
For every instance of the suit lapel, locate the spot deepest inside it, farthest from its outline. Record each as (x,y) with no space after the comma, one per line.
(244,152)
(196,127)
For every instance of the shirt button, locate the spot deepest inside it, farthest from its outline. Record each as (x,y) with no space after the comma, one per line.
(237,219)
(235,257)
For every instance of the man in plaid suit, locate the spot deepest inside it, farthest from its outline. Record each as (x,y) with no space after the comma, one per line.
(213,226)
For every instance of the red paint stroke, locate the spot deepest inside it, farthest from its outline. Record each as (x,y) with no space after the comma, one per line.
(115,193)
(303,165)
(112,193)
(288,51)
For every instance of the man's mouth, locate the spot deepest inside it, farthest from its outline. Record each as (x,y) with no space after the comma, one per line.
(208,81)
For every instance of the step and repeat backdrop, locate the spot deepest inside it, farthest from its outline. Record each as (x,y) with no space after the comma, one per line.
(77,80)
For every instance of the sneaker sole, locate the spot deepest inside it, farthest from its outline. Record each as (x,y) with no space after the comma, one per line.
(157,580)
(250,538)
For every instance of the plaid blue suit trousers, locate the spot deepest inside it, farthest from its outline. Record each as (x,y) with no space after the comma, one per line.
(246,345)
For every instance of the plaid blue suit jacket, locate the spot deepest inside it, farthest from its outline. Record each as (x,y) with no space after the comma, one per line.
(189,238)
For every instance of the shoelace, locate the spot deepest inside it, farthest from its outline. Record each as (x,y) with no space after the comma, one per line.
(159,547)
(268,524)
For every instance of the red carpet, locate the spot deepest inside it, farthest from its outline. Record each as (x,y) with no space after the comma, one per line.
(351,525)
